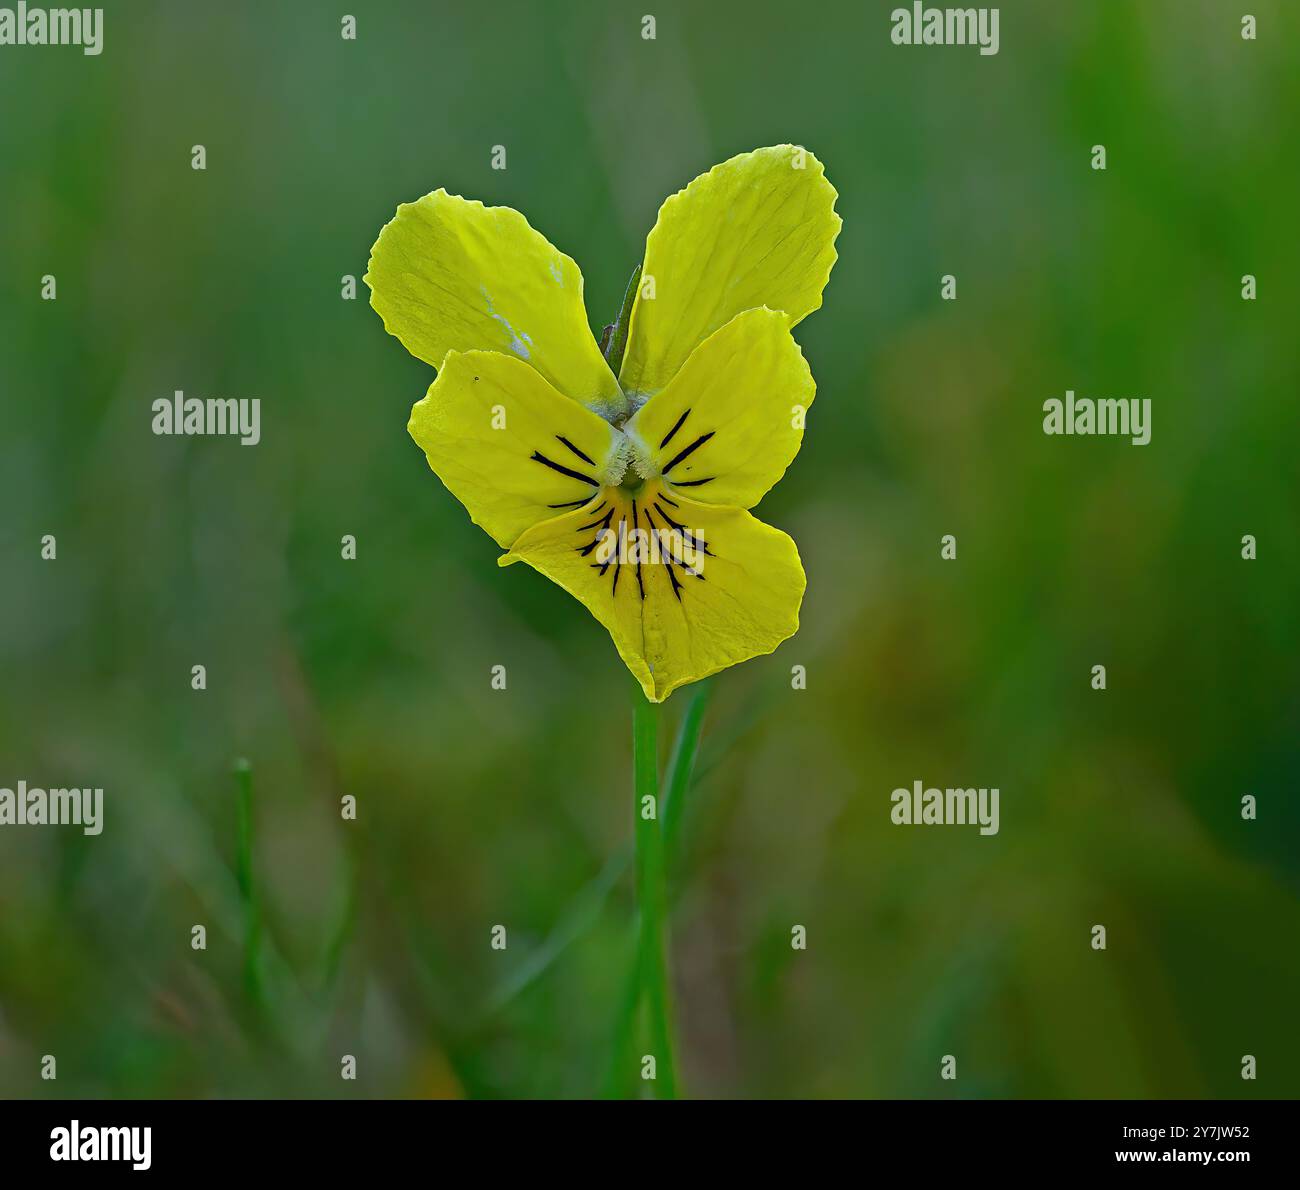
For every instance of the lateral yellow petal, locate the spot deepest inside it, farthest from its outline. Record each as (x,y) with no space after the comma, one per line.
(509,447)
(669,625)
(725,428)
(758,230)
(449,274)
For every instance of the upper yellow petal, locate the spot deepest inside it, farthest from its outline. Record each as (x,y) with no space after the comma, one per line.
(509,447)
(448,274)
(670,626)
(758,230)
(725,428)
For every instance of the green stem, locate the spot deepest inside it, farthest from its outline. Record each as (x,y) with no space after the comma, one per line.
(651,895)
(624,1063)
(620,1078)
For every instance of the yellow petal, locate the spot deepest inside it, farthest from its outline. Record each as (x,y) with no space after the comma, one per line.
(754,231)
(726,427)
(670,626)
(447,274)
(509,447)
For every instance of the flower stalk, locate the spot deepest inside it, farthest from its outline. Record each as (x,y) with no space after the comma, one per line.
(651,895)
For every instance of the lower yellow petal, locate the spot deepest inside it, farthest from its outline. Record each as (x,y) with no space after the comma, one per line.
(509,447)
(629,558)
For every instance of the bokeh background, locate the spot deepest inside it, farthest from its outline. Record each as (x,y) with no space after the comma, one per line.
(371,678)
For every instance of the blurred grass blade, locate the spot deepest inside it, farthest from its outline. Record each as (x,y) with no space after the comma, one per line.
(682,763)
(253,981)
(620,1073)
(575,922)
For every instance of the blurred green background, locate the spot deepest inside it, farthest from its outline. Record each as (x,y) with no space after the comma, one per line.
(476,807)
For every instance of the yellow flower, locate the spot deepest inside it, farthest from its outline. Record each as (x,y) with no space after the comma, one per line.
(585,476)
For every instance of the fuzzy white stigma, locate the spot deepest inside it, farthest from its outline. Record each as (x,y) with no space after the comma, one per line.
(616,464)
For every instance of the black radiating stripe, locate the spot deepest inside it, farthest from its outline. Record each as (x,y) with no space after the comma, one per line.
(694,446)
(668,437)
(668,559)
(603,523)
(541,458)
(691,483)
(613,557)
(675,524)
(584,457)
(684,531)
